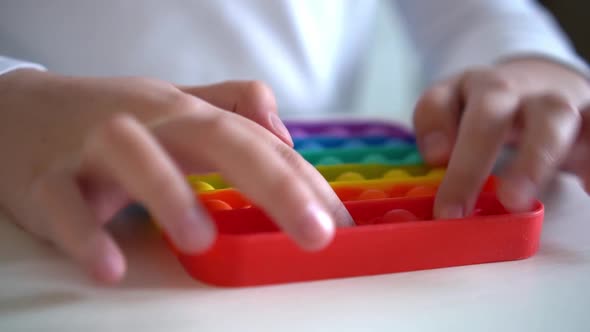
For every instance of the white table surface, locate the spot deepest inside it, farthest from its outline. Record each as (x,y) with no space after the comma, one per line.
(41,290)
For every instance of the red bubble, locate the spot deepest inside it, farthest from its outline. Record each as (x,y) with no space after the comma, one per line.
(396,216)
(421,191)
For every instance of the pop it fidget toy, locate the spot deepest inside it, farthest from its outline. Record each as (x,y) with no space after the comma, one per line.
(389,194)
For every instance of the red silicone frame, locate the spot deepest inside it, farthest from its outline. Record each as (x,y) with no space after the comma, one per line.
(250,250)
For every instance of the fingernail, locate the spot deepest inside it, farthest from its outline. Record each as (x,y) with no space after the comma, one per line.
(517,193)
(279,129)
(196,232)
(437,147)
(451,212)
(317,228)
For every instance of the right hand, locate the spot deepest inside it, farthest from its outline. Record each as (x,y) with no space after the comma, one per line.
(75,151)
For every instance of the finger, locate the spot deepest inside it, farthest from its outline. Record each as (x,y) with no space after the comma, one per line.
(436,119)
(317,183)
(252,160)
(75,230)
(486,122)
(251,99)
(578,159)
(581,153)
(551,125)
(125,151)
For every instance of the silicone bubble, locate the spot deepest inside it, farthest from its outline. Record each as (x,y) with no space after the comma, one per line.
(372,194)
(201,186)
(396,215)
(216,205)
(393,142)
(375,159)
(309,146)
(350,176)
(421,191)
(437,172)
(354,143)
(396,174)
(329,160)
(375,131)
(336,131)
(298,132)
(412,158)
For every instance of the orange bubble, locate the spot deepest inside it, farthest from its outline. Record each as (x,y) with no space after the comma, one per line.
(216,205)
(347,193)
(372,194)
(398,190)
(421,191)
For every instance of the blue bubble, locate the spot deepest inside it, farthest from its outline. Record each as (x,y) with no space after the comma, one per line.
(353,143)
(309,145)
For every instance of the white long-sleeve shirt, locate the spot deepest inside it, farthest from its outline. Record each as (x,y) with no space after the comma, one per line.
(309,51)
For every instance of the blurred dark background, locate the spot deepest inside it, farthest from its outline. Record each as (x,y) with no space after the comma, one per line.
(573,17)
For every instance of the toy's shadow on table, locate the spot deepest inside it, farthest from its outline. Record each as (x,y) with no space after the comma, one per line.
(150,262)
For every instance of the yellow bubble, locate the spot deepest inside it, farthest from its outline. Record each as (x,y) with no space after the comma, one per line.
(395,174)
(201,186)
(350,176)
(436,172)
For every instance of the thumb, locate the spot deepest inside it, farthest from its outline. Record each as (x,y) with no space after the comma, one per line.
(251,99)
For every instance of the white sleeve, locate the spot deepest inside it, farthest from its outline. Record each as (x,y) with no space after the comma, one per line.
(453,35)
(9,64)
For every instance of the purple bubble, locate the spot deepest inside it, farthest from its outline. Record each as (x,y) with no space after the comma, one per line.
(336,131)
(298,133)
(376,131)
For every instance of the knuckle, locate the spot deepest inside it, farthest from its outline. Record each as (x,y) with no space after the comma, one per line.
(495,105)
(544,155)
(557,104)
(474,73)
(539,159)
(157,96)
(285,182)
(214,125)
(499,83)
(112,131)
(173,101)
(488,79)
(290,156)
(259,93)
(257,88)
(433,98)
(163,183)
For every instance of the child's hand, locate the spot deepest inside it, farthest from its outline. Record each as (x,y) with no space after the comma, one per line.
(77,150)
(535,103)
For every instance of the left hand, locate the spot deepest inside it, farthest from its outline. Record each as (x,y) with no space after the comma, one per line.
(464,122)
